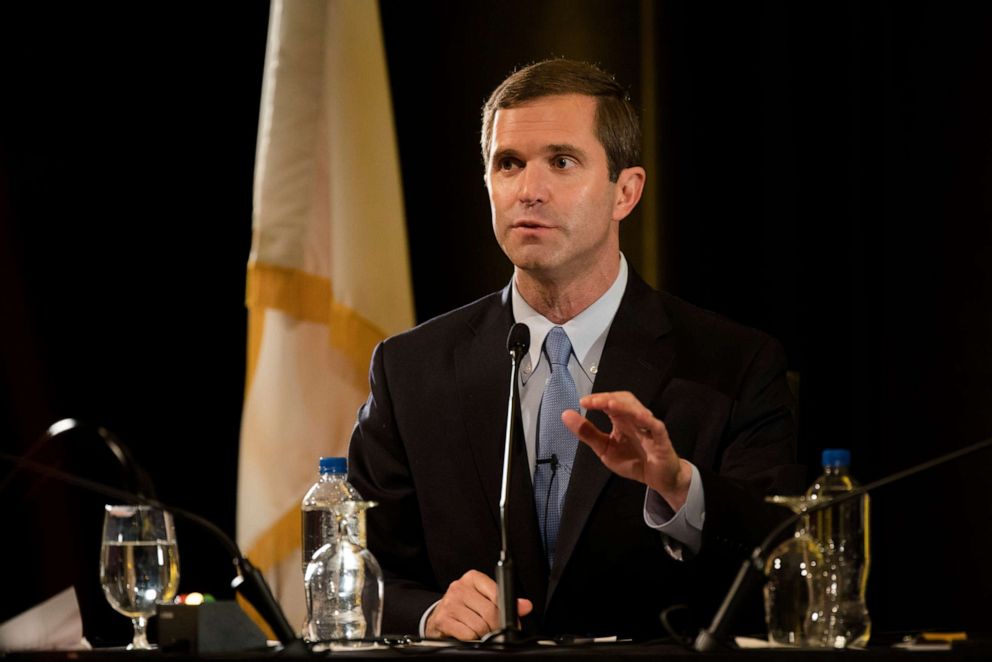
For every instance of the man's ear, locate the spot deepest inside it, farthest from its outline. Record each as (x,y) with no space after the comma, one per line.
(630,185)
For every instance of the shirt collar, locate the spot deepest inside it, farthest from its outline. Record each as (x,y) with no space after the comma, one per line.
(583,330)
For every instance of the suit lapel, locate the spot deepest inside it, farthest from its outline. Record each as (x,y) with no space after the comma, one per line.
(635,358)
(482,380)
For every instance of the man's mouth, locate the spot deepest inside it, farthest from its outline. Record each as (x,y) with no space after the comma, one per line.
(530,225)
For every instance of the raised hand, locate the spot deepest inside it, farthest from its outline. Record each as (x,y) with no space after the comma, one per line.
(638,447)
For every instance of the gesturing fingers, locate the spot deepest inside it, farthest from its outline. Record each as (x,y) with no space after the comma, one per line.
(584,430)
(638,446)
(628,415)
(634,426)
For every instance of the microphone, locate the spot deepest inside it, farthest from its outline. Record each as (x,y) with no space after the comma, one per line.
(553,461)
(517,344)
(249,582)
(752,572)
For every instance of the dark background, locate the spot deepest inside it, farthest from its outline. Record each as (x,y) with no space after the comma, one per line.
(824,173)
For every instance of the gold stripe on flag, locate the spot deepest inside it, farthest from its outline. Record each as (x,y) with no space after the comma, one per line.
(308,297)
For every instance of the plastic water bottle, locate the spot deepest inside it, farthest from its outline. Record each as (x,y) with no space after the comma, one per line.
(320,526)
(344,588)
(841,619)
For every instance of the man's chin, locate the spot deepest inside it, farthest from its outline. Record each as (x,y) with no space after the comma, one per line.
(534,266)
(543,273)
(532,259)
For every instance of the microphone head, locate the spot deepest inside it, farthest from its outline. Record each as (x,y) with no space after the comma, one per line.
(518,342)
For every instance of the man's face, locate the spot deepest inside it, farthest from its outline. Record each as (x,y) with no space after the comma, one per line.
(553,204)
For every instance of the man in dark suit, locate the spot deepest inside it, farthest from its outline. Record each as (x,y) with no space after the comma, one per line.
(689,415)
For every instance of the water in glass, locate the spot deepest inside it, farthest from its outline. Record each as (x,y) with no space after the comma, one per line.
(139,564)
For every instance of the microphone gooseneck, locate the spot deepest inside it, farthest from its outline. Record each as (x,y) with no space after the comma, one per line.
(517,344)
(133,474)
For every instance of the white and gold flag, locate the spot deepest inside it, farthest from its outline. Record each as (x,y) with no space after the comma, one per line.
(328,275)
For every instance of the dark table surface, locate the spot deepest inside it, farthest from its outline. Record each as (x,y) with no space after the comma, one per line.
(972,650)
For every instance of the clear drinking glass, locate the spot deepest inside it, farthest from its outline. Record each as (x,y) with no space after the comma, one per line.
(344,585)
(794,591)
(139,564)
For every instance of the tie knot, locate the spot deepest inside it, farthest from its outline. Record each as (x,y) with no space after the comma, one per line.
(557,346)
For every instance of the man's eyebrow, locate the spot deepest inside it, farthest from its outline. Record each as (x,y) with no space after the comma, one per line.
(504,154)
(553,148)
(565,149)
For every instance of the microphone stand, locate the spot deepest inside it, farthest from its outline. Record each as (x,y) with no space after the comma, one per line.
(517,344)
(133,474)
(249,582)
(752,572)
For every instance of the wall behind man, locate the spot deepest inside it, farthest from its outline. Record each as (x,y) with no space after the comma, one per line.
(822,175)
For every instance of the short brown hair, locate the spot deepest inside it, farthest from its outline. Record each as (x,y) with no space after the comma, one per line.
(617,126)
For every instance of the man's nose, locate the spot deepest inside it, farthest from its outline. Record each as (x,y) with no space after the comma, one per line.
(534,185)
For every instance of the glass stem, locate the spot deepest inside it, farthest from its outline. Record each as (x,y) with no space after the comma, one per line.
(140,641)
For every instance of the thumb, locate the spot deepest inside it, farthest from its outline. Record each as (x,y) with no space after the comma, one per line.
(524,606)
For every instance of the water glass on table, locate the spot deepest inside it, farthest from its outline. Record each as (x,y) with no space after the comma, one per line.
(139,564)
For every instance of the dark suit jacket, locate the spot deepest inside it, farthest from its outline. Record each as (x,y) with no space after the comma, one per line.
(429,441)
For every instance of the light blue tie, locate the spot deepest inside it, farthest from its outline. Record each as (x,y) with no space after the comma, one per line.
(555,444)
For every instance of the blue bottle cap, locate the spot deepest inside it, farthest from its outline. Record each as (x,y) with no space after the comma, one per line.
(333,465)
(836,457)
